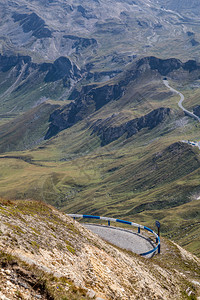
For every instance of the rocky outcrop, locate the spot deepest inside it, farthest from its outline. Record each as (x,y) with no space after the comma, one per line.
(62,68)
(194,42)
(8,62)
(80,43)
(91,99)
(109,134)
(85,13)
(166,66)
(196,110)
(32,22)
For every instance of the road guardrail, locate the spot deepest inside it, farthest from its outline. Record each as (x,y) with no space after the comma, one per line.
(157,248)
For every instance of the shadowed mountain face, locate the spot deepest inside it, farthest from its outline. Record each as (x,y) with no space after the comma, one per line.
(25,84)
(196,110)
(166,66)
(85,105)
(8,62)
(32,23)
(62,68)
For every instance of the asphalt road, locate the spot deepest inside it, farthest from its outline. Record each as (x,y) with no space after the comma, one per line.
(187,112)
(125,239)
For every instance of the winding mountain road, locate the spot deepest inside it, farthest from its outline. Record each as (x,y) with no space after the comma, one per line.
(187,112)
(123,238)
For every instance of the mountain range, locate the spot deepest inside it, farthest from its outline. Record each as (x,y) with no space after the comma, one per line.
(86,122)
(104,35)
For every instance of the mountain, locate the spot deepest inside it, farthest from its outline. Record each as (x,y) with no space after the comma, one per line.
(25,84)
(86,101)
(104,34)
(47,255)
(86,123)
(28,129)
(114,148)
(92,98)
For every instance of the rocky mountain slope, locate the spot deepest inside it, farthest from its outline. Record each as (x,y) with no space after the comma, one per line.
(25,84)
(92,98)
(106,34)
(27,87)
(109,134)
(190,9)
(47,255)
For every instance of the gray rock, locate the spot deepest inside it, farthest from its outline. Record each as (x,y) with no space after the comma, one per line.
(23,284)
(91,294)
(109,133)
(38,296)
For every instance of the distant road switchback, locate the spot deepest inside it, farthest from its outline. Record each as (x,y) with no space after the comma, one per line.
(187,112)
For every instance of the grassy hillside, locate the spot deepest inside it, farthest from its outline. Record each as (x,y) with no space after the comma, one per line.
(158,183)
(150,175)
(27,130)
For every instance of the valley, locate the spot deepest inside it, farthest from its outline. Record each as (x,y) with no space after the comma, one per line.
(142,174)
(91,120)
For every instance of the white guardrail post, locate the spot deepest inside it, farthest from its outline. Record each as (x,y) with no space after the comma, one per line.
(74,216)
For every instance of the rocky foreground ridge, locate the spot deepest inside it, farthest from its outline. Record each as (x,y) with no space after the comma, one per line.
(47,255)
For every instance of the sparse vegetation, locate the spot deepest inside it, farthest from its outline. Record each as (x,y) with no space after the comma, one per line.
(51,264)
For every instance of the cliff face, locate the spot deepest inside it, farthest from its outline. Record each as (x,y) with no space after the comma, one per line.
(196,110)
(166,66)
(62,68)
(32,23)
(8,62)
(47,255)
(109,134)
(89,100)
